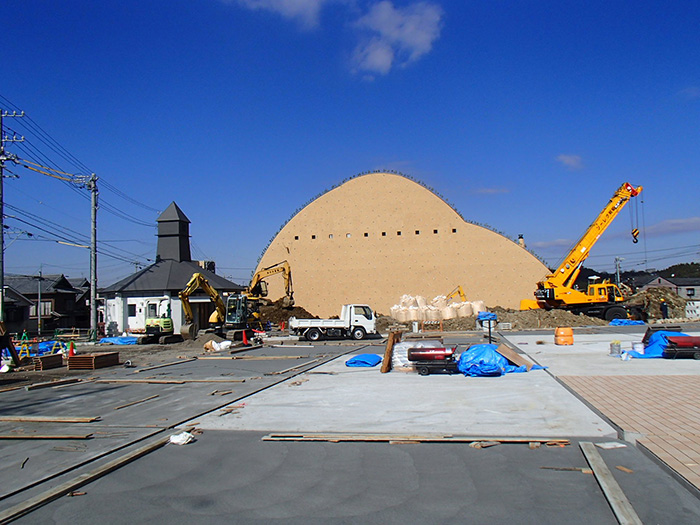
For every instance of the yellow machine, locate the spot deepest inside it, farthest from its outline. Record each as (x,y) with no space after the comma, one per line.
(599,299)
(240,311)
(457,292)
(189,329)
(257,289)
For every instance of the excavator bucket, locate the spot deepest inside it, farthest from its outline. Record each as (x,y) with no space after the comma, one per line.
(189,331)
(287,301)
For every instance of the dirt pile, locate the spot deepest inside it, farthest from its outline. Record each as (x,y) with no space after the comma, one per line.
(651,299)
(519,320)
(275,313)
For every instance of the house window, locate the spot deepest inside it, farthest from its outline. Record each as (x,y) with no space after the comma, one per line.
(435,232)
(366,234)
(296,237)
(131,310)
(45,309)
(417,232)
(383,234)
(347,235)
(690,292)
(398,233)
(313,237)
(330,236)
(454,230)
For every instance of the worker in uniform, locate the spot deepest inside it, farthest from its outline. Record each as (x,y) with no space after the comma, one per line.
(664,309)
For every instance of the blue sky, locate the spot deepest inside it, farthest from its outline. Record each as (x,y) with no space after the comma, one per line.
(525,115)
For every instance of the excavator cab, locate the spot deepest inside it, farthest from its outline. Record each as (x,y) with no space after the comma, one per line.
(237,311)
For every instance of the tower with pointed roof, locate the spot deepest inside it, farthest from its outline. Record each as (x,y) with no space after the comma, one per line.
(173,235)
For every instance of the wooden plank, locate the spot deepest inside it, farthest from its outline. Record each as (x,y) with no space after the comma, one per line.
(47,362)
(292,368)
(621,507)
(45,436)
(514,357)
(136,402)
(50,495)
(424,438)
(49,384)
(50,419)
(394,337)
(165,364)
(169,381)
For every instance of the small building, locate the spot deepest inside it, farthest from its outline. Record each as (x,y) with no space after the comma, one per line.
(61,306)
(687,287)
(153,291)
(16,309)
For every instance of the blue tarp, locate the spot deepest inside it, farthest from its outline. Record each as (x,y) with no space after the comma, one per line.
(656,345)
(484,361)
(625,322)
(50,347)
(364,360)
(126,340)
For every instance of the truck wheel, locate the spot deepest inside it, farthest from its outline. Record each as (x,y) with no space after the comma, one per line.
(313,334)
(616,312)
(424,371)
(358,333)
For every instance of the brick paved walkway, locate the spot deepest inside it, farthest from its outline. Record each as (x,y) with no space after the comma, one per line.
(664,409)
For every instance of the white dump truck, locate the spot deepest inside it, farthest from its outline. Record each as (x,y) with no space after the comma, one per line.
(356,321)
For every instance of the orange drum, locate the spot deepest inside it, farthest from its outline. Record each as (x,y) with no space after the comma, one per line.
(563,336)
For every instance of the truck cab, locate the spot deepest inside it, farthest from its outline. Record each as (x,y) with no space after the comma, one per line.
(355,321)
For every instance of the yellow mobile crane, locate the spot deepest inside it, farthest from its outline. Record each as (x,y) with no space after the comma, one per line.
(599,299)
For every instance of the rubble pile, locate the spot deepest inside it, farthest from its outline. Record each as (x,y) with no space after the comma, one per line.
(519,320)
(651,299)
(275,313)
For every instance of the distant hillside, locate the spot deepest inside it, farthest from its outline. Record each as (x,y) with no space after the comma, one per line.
(681,270)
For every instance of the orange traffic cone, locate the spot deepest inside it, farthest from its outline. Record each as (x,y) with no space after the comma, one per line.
(245,337)
(71,349)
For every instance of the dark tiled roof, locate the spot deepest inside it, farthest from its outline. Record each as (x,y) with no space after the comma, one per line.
(169,275)
(12,296)
(685,281)
(173,213)
(29,284)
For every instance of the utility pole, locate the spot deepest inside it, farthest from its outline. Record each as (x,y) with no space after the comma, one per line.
(38,308)
(92,186)
(3,157)
(618,260)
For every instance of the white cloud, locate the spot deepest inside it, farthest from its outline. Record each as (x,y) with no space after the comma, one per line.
(690,93)
(671,226)
(304,11)
(573,162)
(491,191)
(396,36)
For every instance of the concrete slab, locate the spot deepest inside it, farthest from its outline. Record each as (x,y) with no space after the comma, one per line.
(234,477)
(590,355)
(336,398)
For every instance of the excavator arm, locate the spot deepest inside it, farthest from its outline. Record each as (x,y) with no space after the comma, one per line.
(258,287)
(199,281)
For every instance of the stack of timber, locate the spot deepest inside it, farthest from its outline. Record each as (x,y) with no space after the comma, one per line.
(93,361)
(46,362)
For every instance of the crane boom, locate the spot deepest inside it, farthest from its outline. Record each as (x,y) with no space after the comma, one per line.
(600,300)
(569,269)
